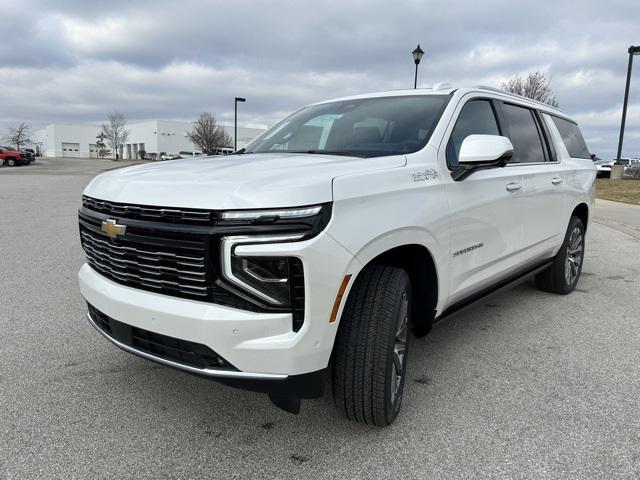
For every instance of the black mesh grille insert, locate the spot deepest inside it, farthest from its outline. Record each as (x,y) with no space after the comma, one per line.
(162,346)
(296,275)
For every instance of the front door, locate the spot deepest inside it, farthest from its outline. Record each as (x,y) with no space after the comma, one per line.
(486,209)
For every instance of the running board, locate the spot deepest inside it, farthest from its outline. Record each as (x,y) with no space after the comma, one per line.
(506,284)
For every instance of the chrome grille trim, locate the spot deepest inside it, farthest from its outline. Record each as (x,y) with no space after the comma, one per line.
(113,250)
(163,271)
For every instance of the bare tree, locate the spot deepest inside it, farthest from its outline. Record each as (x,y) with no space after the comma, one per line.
(19,134)
(115,131)
(535,86)
(208,135)
(101,147)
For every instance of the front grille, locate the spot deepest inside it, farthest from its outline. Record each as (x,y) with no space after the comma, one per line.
(178,260)
(173,263)
(163,265)
(149,212)
(162,346)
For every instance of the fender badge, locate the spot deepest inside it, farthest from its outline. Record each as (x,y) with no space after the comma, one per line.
(468,249)
(424,175)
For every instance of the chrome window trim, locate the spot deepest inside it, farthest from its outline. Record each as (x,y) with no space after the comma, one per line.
(210,372)
(528,164)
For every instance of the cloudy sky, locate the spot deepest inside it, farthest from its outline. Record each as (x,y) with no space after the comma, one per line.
(73,61)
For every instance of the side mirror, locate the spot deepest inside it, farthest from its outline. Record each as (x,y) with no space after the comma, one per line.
(479,152)
(479,149)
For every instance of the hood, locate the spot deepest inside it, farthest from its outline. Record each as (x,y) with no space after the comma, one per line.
(231,182)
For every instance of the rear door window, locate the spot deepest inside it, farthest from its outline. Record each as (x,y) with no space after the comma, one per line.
(524,133)
(572,138)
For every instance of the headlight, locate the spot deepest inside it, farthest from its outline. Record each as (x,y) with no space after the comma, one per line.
(266,277)
(251,215)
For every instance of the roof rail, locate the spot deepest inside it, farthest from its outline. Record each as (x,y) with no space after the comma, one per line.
(515,95)
(441,86)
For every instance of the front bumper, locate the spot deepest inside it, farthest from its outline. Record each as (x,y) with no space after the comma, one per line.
(309,385)
(261,346)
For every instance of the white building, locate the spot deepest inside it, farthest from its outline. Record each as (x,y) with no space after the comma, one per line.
(152,136)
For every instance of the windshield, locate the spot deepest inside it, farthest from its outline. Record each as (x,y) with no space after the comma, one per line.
(369,127)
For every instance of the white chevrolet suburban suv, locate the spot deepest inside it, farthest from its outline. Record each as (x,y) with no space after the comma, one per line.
(310,256)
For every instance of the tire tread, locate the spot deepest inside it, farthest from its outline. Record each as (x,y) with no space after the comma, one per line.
(363,342)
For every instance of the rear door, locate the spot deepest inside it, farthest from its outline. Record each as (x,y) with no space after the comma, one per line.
(543,178)
(486,207)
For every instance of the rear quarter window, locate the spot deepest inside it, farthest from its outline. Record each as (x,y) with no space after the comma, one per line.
(572,138)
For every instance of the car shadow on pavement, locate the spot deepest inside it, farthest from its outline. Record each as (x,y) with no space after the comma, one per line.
(214,409)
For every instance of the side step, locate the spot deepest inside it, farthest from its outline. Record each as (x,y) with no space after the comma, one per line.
(501,286)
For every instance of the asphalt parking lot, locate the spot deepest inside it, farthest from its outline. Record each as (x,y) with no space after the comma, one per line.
(523,385)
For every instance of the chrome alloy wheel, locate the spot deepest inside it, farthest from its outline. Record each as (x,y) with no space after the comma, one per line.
(575,253)
(400,347)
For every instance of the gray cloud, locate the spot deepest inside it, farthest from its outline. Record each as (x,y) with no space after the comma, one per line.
(73,61)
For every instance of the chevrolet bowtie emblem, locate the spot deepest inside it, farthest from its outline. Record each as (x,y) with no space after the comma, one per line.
(112,229)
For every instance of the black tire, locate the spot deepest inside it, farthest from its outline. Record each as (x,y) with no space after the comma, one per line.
(10,162)
(563,275)
(371,343)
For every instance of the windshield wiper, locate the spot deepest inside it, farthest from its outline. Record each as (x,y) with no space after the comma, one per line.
(239,152)
(344,153)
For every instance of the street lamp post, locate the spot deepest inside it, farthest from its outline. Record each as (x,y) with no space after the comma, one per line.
(417,56)
(235,122)
(632,51)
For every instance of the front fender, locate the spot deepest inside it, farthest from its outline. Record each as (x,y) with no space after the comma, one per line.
(376,212)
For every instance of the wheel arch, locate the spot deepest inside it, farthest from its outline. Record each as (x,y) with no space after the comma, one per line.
(582,212)
(419,262)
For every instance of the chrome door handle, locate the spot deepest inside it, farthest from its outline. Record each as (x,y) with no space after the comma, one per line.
(556,181)
(513,187)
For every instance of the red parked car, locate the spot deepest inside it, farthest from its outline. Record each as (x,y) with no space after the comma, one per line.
(12,157)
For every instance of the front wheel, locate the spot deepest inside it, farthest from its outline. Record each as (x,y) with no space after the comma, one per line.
(10,162)
(563,275)
(371,347)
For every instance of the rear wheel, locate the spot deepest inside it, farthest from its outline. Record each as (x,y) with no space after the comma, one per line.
(10,162)
(371,347)
(563,275)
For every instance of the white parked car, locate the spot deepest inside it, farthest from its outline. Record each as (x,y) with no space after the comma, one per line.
(170,156)
(189,154)
(603,167)
(321,247)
